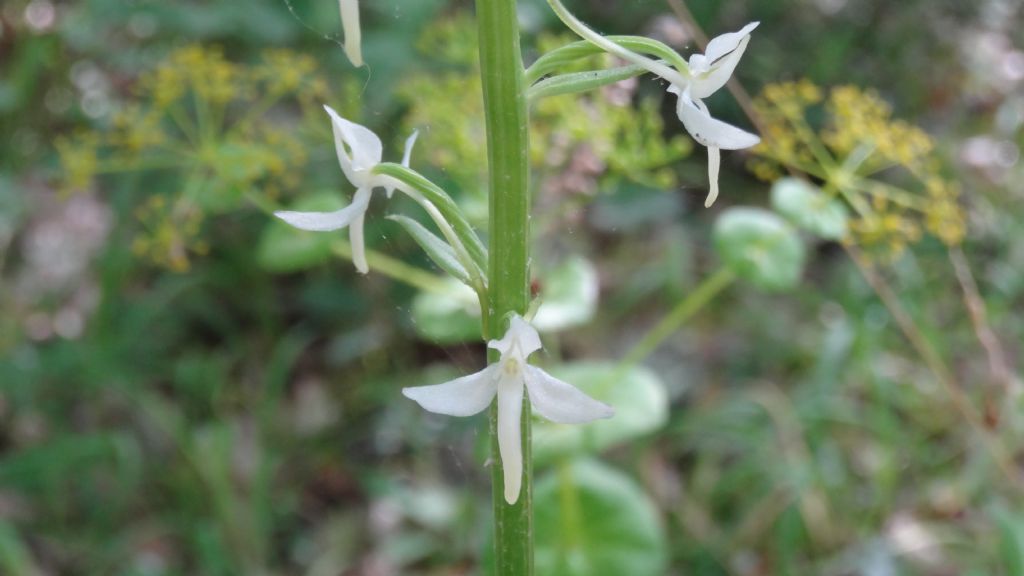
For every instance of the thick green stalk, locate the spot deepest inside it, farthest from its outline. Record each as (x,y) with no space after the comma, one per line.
(501,69)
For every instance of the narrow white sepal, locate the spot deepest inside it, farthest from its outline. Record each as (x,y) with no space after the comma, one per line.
(561,402)
(510,409)
(353,32)
(327,221)
(714,162)
(463,396)
(406,158)
(409,143)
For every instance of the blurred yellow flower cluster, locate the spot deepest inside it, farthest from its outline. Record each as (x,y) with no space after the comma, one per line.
(203,121)
(625,141)
(885,169)
(171,233)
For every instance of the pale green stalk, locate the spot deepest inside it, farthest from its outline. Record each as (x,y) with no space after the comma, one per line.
(501,70)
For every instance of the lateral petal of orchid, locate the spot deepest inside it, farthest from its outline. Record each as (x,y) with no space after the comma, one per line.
(327,221)
(723,44)
(353,32)
(409,143)
(561,402)
(706,84)
(406,157)
(520,334)
(463,396)
(714,162)
(709,131)
(365,146)
(510,409)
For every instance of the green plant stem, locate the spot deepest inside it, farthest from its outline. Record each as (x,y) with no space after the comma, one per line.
(501,69)
(683,311)
(395,269)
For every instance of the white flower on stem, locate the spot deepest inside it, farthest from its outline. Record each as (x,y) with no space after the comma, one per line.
(353,32)
(552,398)
(705,74)
(359,151)
(709,72)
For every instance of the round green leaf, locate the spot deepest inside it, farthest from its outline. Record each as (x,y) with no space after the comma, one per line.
(569,295)
(592,520)
(638,396)
(283,248)
(760,247)
(808,208)
(448,317)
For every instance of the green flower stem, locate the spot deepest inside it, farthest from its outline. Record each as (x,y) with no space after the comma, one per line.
(581,81)
(683,311)
(501,69)
(381,263)
(396,269)
(408,178)
(570,53)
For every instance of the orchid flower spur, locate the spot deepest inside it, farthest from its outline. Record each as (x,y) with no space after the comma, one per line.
(553,399)
(359,151)
(353,33)
(703,75)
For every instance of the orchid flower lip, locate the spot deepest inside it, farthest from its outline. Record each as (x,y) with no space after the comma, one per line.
(507,380)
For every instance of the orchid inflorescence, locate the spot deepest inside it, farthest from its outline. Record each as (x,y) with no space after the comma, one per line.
(461,253)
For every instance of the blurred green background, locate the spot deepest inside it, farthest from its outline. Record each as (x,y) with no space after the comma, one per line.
(187,387)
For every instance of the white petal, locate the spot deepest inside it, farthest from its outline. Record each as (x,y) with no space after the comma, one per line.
(353,33)
(708,131)
(406,156)
(520,335)
(326,221)
(707,83)
(721,45)
(714,161)
(365,147)
(562,402)
(698,64)
(409,143)
(463,396)
(510,410)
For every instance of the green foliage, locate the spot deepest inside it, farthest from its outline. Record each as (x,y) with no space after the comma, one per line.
(808,208)
(225,420)
(447,316)
(593,520)
(438,250)
(568,295)
(641,408)
(630,145)
(282,248)
(760,248)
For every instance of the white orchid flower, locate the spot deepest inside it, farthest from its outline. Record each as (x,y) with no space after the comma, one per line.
(705,75)
(353,32)
(552,398)
(359,151)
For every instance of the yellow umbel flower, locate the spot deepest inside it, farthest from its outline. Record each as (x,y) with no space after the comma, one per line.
(858,140)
